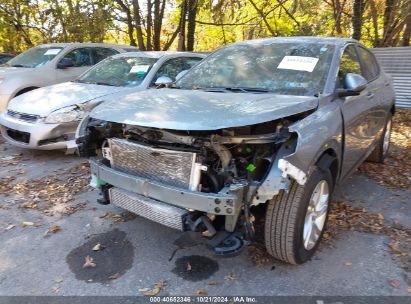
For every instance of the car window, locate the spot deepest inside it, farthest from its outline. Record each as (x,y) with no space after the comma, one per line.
(80,57)
(35,57)
(171,68)
(121,71)
(349,64)
(102,53)
(370,65)
(291,68)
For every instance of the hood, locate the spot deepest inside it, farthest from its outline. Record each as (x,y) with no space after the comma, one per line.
(45,100)
(11,71)
(198,110)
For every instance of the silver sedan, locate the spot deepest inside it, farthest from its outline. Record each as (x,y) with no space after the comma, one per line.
(47,118)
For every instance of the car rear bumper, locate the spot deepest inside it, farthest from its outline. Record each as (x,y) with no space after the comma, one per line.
(37,135)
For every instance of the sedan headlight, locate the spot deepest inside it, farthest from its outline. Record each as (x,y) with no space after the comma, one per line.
(67,114)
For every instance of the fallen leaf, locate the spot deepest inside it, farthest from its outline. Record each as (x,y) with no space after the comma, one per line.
(89,262)
(394,283)
(10,227)
(189,266)
(54,229)
(98,247)
(348,264)
(155,290)
(27,224)
(58,280)
(380,216)
(201,292)
(114,276)
(409,289)
(231,276)
(31,205)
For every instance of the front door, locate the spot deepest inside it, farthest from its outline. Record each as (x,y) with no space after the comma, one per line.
(358,114)
(82,60)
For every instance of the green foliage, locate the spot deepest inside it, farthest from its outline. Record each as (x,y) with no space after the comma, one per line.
(24,23)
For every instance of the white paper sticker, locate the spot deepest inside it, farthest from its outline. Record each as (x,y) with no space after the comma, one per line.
(139,69)
(298,63)
(52,51)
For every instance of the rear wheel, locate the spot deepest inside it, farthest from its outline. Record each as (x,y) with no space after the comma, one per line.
(295,220)
(380,151)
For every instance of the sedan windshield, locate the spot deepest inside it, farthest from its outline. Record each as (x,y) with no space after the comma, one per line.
(34,57)
(120,71)
(282,68)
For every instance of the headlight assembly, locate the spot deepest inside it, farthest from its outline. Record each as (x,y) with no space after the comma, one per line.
(67,114)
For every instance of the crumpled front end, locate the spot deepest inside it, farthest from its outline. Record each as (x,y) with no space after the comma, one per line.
(203,181)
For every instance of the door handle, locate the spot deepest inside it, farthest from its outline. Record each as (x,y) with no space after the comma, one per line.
(370,95)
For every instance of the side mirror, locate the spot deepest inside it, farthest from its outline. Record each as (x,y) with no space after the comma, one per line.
(65,63)
(163,81)
(181,74)
(353,85)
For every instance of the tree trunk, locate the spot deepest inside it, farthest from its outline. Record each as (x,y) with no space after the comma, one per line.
(137,18)
(159,7)
(149,25)
(182,26)
(407,32)
(191,23)
(130,27)
(357,16)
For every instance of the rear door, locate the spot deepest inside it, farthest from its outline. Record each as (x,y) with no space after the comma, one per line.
(376,91)
(358,112)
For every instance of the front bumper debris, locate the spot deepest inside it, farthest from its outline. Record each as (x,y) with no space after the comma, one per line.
(227,202)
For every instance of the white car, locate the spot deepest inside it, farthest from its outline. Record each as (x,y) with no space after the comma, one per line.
(47,118)
(50,64)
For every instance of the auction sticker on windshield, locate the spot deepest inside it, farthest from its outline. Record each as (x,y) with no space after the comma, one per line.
(298,63)
(139,69)
(52,51)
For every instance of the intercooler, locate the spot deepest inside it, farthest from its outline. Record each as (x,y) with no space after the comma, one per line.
(148,208)
(171,167)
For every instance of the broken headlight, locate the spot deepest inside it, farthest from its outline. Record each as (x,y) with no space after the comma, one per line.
(67,114)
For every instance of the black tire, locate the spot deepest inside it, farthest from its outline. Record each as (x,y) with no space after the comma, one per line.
(379,154)
(285,215)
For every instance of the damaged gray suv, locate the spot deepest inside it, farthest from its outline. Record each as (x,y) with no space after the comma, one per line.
(258,132)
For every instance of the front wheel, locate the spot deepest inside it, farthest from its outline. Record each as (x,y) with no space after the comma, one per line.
(295,220)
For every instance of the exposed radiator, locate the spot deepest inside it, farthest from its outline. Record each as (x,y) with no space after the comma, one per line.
(148,208)
(175,168)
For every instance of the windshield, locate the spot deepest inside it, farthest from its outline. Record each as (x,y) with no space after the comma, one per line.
(122,71)
(35,57)
(283,68)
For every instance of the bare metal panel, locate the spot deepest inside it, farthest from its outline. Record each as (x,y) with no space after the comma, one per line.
(166,166)
(148,208)
(396,61)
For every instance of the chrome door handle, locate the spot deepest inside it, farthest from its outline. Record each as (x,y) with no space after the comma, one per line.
(370,94)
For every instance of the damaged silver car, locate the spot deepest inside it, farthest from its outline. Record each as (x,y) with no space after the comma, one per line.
(258,132)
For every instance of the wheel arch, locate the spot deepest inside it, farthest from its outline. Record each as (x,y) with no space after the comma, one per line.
(25,90)
(328,160)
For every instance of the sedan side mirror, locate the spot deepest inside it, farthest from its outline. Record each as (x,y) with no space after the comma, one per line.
(353,85)
(163,81)
(65,63)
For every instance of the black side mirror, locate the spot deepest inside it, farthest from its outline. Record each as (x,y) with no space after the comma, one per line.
(65,63)
(354,84)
